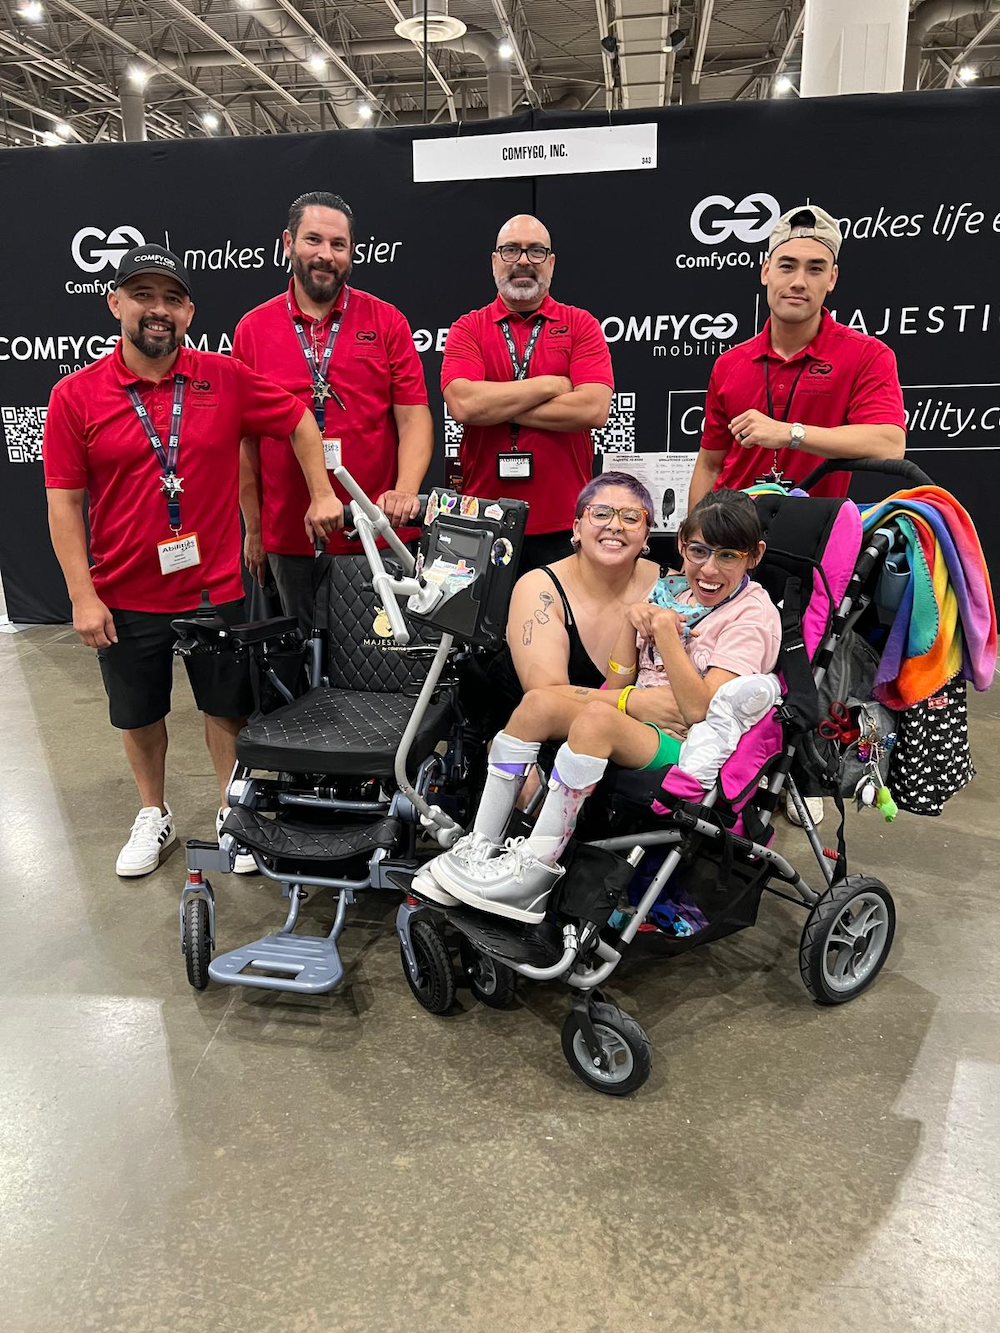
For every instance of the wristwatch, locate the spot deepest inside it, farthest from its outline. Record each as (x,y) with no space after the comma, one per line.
(796,435)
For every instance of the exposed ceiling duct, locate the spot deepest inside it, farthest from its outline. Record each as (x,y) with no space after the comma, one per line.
(931,14)
(435,23)
(646,68)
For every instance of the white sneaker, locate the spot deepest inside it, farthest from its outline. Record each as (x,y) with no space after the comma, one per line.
(424,885)
(814,804)
(151,833)
(244,863)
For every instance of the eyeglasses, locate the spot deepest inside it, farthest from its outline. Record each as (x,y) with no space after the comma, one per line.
(601,516)
(511,254)
(725,556)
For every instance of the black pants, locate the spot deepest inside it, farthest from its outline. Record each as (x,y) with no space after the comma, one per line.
(542,548)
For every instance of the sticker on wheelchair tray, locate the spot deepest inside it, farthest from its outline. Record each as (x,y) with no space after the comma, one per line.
(181,552)
(468,506)
(493,511)
(332,452)
(514,467)
(432,508)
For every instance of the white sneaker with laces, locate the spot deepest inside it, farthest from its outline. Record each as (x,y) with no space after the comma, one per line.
(152,832)
(472,849)
(514,884)
(244,863)
(426,886)
(814,804)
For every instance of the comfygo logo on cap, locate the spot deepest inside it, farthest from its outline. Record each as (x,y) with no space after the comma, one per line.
(118,242)
(717,218)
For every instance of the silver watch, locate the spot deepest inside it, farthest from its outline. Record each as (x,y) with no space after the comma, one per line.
(796,435)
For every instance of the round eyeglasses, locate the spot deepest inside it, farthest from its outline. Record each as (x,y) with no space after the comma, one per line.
(629,518)
(511,254)
(725,556)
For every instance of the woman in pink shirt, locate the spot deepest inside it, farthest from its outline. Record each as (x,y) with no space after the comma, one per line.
(697,631)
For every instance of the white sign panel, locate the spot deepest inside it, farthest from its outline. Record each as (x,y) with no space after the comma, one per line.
(666,477)
(473,157)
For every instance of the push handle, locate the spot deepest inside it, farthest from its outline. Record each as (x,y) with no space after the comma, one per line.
(889,467)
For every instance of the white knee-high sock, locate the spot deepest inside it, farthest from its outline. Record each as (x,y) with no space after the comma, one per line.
(573,779)
(510,760)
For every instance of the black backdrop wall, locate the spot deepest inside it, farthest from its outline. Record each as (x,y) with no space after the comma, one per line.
(667,259)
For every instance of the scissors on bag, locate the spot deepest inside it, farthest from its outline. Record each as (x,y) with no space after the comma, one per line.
(838,726)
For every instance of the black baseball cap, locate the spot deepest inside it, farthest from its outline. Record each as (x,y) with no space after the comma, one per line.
(152,259)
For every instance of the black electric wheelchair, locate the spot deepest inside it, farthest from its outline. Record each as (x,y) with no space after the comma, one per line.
(359,749)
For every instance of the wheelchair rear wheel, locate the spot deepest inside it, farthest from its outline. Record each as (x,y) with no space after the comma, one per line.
(197,944)
(847,938)
(491,982)
(434,987)
(627,1049)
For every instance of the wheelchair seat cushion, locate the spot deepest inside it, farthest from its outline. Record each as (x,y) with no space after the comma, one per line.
(341,733)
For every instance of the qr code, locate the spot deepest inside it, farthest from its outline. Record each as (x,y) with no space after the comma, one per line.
(619,433)
(22,431)
(452,434)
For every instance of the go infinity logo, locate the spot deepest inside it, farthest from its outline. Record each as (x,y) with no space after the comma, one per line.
(117,242)
(717,218)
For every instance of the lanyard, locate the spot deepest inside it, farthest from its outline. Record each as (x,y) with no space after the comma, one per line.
(170,483)
(520,368)
(767,388)
(321,387)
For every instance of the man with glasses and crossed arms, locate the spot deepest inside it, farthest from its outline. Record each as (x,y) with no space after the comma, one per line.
(528,378)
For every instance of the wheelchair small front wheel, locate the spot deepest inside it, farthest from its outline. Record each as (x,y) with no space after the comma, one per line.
(434,987)
(846,939)
(627,1051)
(492,983)
(197,942)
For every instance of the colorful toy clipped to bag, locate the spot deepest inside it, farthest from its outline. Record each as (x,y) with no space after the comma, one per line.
(872,748)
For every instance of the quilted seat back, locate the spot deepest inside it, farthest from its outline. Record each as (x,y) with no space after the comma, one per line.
(363,655)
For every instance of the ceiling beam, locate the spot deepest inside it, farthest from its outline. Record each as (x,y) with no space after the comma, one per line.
(432,68)
(500,9)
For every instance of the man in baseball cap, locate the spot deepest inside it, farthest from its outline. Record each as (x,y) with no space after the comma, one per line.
(805,388)
(148,439)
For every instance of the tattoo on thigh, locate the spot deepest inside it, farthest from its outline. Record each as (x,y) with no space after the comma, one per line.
(526,633)
(542,615)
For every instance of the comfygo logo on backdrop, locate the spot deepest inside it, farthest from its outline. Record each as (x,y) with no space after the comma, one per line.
(117,243)
(717,218)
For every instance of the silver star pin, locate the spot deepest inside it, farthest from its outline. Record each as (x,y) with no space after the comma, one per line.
(172,485)
(321,391)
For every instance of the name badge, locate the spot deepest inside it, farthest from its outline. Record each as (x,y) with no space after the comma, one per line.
(332,453)
(180,552)
(514,467)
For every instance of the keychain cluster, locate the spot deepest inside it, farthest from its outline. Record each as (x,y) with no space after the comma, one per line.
(871,789)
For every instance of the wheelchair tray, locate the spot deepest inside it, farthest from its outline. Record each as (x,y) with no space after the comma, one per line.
(470,549)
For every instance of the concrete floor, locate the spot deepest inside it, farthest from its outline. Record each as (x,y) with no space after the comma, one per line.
(232,1160)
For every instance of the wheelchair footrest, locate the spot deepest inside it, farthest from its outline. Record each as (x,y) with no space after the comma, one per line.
(299,842)
(308,964)
(518,942)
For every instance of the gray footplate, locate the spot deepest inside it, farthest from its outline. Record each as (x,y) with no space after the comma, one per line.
(304,963)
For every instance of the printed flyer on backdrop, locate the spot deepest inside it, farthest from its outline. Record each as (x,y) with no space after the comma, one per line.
(666,477)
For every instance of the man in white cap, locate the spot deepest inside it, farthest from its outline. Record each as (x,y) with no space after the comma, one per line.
(805,387)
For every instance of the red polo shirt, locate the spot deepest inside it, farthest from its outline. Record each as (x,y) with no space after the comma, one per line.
(374,368)
(843,378)
(95,441)
(570,343)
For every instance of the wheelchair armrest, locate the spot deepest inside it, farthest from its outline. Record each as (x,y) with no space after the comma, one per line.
(258,631)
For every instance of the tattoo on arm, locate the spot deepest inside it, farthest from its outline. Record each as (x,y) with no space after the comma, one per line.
(581,691)
(526,633)
(542,615)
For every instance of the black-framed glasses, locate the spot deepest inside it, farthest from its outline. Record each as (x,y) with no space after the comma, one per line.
(511,254)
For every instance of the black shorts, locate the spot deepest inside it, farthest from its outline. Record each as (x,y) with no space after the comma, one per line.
(138,670)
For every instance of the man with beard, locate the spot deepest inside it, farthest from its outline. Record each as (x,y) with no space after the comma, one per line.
(805,387)
(350,357)
(528,378)
(151,433)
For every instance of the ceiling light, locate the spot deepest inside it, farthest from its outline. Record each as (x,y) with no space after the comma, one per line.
(967,73)
(365,110)
(505,50)
(32,11)
(137,74)
(316,64)
(782,84)
(51,139)
(210,120)
(675,42)
(63,130)
(440,25)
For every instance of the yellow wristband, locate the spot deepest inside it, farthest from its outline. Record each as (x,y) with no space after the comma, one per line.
(619,670)
(623,698)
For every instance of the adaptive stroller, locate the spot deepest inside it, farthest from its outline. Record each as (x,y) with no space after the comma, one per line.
(367,734)
(643,832)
